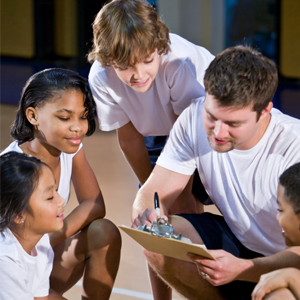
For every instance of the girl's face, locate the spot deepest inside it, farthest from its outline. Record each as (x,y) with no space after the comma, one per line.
(62,123)
(288,220)
(46,214)
(142,75)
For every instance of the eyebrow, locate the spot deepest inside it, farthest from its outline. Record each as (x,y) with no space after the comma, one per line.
(68,111)
(226,122)
(65,110)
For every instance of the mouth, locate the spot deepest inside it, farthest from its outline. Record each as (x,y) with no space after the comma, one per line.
(60,216)
(141,83)
(221,142)
(75,140)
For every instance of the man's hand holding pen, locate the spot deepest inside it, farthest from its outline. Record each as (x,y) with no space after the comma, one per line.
(149,215)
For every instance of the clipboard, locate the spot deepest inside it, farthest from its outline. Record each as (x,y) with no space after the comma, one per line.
(166,246)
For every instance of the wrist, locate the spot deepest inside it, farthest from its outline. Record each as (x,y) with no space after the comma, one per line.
(246,270)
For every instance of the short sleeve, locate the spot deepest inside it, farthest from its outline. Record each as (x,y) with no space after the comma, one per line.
(110,115)
(184,87)
(178,154)
(13,281)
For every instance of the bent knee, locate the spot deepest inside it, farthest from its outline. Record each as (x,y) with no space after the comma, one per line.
(280,294)
(103,232)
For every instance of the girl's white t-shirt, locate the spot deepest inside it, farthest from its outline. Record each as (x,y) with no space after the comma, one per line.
(24,276)
(179,80)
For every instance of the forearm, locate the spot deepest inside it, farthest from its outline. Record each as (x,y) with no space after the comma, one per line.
(253,269)
(137,156)
(80,217)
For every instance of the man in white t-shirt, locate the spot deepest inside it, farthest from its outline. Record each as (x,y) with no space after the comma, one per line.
(240,145)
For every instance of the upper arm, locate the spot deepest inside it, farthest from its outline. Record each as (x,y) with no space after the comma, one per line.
(84,180)
(128,133)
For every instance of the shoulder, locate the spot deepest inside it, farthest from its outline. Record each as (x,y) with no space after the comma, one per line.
(12,147)
(9,249)
(286,124)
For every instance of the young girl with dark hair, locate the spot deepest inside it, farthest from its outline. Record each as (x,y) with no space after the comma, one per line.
(30,208)
(56,111)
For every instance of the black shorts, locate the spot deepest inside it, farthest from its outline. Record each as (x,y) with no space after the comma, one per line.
(216,234)
(154,145)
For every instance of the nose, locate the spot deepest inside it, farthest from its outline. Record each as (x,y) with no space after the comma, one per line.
(60,200)
(220,130)
(138,71)
(76,126)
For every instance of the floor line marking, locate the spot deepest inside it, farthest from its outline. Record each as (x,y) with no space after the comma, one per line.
(126,292)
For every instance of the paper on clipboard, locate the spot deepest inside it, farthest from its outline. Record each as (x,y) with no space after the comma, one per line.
(166,246)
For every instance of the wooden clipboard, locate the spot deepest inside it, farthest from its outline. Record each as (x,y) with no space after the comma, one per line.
(166,246)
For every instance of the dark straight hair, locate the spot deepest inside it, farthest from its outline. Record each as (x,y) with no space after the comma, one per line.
(46,86)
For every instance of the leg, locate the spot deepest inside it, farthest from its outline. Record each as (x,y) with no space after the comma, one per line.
(185,203)
(280,294)
(93,253)
(181,275)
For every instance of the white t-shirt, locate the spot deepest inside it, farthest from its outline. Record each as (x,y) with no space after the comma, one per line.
(24,276)
(66,161)
(178,81)
(242,183)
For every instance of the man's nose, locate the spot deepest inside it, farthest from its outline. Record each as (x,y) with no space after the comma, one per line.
(220,130)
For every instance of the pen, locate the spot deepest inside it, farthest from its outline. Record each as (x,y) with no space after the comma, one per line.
(156,204)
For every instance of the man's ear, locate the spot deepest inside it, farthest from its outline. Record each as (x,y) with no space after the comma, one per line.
(32,116)
(266,111)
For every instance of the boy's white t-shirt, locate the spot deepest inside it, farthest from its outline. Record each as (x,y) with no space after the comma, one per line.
(66,162)
(242,183)
(178,81)
(24,276)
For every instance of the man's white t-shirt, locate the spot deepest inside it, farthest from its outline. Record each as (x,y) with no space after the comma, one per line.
(24,276)
(178,81)
(242,183)
(66,162)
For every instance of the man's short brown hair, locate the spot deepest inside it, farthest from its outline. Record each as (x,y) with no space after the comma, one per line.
(241,76)
(127,32)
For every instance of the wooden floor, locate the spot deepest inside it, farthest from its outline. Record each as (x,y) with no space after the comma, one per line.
(119,186)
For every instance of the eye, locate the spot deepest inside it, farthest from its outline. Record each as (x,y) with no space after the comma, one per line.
(63,118)
(51,198)
(279,210)
(149,61)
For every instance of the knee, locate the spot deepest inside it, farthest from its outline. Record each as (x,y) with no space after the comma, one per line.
(280,294)
(104,233)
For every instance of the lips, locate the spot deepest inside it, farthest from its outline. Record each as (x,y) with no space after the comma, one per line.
(222,142)
(75,140)
(60,216)
(141,83)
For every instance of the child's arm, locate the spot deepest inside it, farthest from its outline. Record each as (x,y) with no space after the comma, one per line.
(285,278)
(133,146)
(91,205)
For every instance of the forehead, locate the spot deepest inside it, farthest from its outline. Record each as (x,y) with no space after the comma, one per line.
(69,98)
(227,113)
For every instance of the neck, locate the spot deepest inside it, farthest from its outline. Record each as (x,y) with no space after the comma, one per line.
(26,240)
(42,151)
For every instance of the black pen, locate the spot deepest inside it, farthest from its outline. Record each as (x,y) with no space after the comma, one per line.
(156,204)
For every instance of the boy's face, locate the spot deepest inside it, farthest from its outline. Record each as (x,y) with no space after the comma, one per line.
(142,75)
(230,128)
(287,219)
